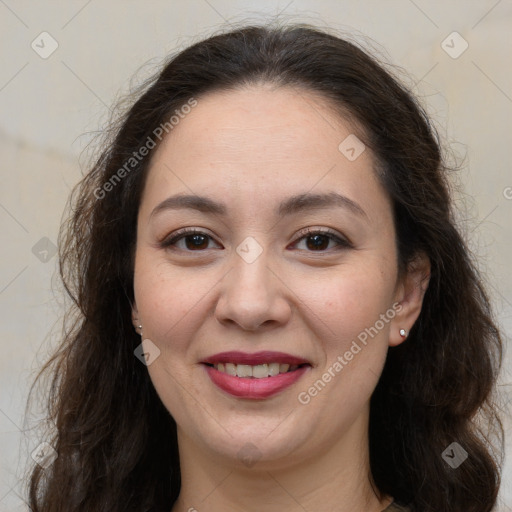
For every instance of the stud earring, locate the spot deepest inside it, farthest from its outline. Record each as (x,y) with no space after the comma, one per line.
(403,333)
(139,327)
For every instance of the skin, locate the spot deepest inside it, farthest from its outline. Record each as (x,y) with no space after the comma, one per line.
(251,149)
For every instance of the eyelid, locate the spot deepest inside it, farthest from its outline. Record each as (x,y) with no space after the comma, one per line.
(342,240)
(178,235)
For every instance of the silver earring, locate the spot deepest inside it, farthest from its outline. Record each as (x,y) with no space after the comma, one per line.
(139,327)
(403,333)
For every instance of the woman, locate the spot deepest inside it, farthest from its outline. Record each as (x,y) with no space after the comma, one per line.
(275,308)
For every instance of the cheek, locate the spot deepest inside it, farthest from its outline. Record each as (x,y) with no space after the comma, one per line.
(348,302)
(166,298)
(352,342)
(169,307)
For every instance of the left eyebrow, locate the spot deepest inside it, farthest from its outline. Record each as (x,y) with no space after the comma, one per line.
(192,202)
(290,206)
(301,202)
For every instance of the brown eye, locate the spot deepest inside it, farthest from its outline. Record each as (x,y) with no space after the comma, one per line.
(193,240)
(318,241)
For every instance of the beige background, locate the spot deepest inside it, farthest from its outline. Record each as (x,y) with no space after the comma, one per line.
(50,107)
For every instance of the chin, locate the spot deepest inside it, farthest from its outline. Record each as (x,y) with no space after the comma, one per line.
(255,444)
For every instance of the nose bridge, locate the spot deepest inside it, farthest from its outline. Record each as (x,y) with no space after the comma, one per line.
(250,281)
(251,293)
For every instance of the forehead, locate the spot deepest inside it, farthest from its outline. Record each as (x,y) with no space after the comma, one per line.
(257,143)
(271,122)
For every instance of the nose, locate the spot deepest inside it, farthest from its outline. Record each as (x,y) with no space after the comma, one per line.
(253,296)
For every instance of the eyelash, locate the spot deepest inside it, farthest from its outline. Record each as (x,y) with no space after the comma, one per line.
(183,233)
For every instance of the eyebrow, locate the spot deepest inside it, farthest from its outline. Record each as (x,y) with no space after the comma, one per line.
(294,204)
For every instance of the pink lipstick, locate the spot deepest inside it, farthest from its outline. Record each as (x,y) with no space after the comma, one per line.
(255,376)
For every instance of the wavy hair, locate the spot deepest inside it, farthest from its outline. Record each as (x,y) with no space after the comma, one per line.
(116,442)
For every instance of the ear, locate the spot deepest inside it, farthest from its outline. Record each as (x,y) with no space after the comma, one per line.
(135,316)
(409,294)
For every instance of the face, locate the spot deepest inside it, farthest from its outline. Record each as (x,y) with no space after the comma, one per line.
(294,264)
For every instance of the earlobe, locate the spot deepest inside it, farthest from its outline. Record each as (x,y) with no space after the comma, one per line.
(135,319)
(409,295)
(135,312)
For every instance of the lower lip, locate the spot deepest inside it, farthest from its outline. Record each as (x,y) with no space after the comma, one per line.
(254,388)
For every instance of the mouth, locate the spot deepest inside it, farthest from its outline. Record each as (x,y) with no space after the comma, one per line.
(255,376)
(260,371)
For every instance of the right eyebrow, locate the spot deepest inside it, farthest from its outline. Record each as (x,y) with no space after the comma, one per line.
(310,201)
(194,202)
(290,206)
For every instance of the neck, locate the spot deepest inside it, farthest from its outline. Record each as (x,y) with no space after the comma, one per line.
(334,479)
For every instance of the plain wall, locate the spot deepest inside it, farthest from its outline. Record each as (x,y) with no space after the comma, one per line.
(50,107)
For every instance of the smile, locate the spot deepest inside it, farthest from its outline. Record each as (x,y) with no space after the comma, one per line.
(255,376)
(259,371)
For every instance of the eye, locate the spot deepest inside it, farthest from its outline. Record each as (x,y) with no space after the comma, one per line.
(318,240)
(194,240)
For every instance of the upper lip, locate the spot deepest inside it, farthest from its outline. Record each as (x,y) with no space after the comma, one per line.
(256,358)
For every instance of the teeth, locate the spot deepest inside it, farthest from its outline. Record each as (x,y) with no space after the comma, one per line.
(259,371)
(230,369)
(243,370)
(273,369)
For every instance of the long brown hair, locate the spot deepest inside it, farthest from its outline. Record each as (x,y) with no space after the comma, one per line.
(116,442)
